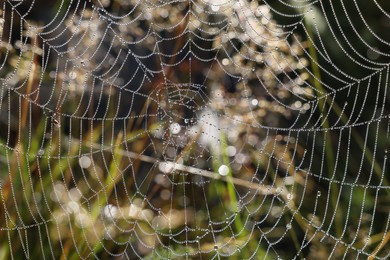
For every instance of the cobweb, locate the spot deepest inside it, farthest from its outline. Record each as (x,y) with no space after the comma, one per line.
(194,129)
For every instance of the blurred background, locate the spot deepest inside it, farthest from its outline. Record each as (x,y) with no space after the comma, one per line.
(194,129)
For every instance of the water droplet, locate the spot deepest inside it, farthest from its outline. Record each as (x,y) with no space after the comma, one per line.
(41,152)
(167,167)
(85,162)
(223,170)
(288,226)
(318,193)
(290,196)
(175,128)
(231,151)
(72,75)
(110,211)
(56,123)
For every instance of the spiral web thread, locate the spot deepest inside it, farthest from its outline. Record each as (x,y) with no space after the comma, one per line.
(194,129)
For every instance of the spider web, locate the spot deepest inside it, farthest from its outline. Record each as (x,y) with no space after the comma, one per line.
(194,129)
